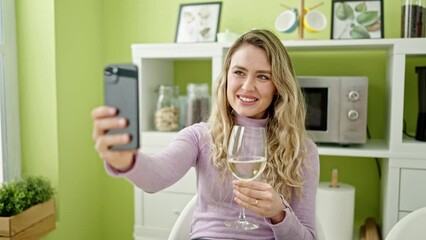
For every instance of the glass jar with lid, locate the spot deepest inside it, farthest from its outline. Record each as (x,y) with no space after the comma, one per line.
(413,19)
(198,103)
(167,113)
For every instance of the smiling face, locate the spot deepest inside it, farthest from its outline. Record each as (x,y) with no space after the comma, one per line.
(250,89)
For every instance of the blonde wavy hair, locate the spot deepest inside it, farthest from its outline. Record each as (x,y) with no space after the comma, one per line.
(286,117)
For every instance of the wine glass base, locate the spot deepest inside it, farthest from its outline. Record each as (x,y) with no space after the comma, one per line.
(242,225)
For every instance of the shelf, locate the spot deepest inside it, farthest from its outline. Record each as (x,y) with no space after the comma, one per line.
(409,46)
(373,148)
(172,51)
(340,44)
(410,148)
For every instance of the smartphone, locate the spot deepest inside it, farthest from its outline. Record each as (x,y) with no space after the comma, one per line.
(121,92)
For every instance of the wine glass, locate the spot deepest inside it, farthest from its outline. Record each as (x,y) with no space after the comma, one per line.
(246,159)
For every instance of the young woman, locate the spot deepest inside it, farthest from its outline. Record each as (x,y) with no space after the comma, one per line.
(257,87)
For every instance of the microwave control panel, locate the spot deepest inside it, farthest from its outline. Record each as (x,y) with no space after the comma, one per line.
(353,109)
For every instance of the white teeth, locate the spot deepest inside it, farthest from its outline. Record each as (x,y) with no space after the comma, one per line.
(247,99)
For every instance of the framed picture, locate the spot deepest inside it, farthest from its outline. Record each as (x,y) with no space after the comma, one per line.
(356,19)
(198,22)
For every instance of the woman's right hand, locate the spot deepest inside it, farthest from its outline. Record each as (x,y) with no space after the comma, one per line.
(105,119)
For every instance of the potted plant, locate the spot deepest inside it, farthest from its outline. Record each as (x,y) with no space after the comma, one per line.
(27,208)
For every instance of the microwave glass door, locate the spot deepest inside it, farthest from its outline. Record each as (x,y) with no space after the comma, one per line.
(322,107)
(317,108)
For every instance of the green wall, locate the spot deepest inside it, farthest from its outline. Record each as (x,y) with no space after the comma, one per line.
(37,92)
(62,47)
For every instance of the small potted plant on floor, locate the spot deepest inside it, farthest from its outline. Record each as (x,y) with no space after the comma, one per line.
(27,208)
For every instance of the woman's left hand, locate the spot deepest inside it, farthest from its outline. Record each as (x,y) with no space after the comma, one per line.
(260,198)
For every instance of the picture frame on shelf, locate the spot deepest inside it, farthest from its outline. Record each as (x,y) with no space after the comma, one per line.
(198,22)
(357,19)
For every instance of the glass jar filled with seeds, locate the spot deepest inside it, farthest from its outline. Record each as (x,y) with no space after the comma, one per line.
(167,113)
(198,103)
(413,19)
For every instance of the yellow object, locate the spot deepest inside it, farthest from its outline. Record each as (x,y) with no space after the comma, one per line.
(314,21)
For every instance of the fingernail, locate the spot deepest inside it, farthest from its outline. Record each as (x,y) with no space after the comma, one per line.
(122,122)
(112,110)
(126,138)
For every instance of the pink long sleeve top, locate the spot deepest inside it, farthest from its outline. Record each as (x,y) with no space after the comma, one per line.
(215,204)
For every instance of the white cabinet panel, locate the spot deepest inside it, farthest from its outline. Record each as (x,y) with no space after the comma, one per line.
(402,214)
(162,209)
(412,189)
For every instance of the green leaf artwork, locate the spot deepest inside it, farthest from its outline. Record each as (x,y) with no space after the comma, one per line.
(357,19)
(361,7)
(344,11)
(367,18)
(359,32)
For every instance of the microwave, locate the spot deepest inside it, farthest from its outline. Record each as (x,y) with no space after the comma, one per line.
(336,108)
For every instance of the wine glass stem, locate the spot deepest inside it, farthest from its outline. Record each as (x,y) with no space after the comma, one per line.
(242,216)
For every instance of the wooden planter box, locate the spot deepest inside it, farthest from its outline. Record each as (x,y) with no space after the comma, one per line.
(33,223)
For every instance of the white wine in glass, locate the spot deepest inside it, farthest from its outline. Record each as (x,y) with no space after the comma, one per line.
(246,160)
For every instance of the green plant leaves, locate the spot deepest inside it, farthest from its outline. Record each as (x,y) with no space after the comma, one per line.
(16,197)
(361,7)
(367,18)
(359,32)
(344,11)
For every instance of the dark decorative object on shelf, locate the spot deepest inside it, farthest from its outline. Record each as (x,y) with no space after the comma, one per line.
(413,18)
(421,119)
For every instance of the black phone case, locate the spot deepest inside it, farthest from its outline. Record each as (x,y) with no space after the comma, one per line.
(121,92)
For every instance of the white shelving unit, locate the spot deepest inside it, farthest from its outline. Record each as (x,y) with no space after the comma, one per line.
(405,160)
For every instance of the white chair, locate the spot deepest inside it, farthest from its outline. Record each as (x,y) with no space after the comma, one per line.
(412,226)
(320,232)
(182,226)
